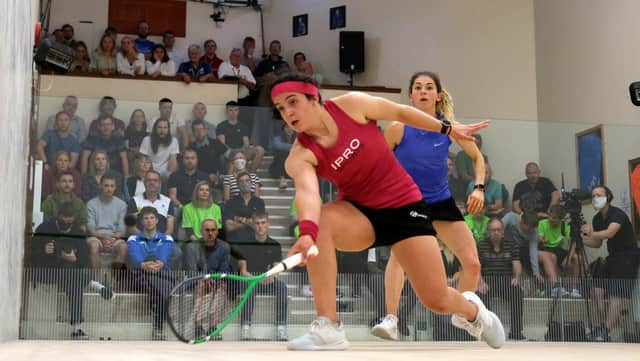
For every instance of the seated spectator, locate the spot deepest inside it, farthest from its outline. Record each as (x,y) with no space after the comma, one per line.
(464,163)
(230,181)
(169,40)
(477,223)
(233,69)
(165,111)
(266,71)
(106,225)
(304,67)
(260,256)
(194,69)
(500,276)
(200,208)
(248,59)
(239,209)
(103,59)
(212,154)
(78,127)
(60,139)
(109,141)
(112,32)
(57,36)
(67,34)
(183,181)
(98,168)
(281,146)
(152,198)
(160,64)
(81,61)
(492,193)
(617,275)
(136,131)
(211,58)
(65,194)
(50,175)
(161,148)
(456,185)
(149,253)
(134,185)
(535,194)
(235,135)
(144,45)
(59,255)
(199,113)
(128,60)
(106,108)
(523,231)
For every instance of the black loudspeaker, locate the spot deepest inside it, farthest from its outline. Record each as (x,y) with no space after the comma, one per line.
(352,51)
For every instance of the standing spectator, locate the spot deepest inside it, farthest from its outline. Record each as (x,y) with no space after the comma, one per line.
(239,210)
(106,108)
(492,194)
(67,34)
(160,64)
(281,146)
(65,194)
(464,164)
(129,61)
(98,168)
(50,175)
(78,127)
(618,275)
(477,223)
(183,181)
(211,58)
(109,141)
(53,141)
(194,69)
(103,59)
(536,193)
(199,113)
(106,224)
(161,148)
(169,40)
(165,109)
(152,197)
(248,58)
(135,131)
(235,135)
(81,61)
(211,154)
(143,45)
(201,207)
(134,185)
(500,277)
(149,253)
(230,181)
(235,70)
(522,230)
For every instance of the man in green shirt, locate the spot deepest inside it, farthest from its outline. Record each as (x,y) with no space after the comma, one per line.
(64,193)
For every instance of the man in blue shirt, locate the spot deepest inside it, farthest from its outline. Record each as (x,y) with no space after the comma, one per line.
(60,138)
(143,45)
(194,69)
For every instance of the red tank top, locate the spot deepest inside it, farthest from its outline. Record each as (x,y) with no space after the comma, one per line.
(361,164)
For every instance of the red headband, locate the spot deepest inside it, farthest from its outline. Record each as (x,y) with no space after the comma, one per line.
(294,87)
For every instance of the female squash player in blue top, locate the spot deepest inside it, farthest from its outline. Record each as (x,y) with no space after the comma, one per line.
(424,155)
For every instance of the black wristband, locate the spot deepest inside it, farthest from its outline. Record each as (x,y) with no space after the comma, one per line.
(479,186)
(446,127)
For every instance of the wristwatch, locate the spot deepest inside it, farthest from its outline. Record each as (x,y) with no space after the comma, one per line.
(446,127)
(479,186)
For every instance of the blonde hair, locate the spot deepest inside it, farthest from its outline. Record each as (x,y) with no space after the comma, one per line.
(194,196)
(92,161)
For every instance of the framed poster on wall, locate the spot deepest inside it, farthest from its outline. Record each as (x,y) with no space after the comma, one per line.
(634,193)
(590,154)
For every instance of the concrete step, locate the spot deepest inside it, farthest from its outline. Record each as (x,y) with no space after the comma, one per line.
(277,191)
(277,200)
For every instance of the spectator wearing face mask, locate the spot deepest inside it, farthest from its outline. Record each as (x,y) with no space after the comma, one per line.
(240,209)
(230,181)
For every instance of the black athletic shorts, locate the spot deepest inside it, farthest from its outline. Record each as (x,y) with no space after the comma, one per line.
(392,225)
(618,275)
(560,253)
(446,210)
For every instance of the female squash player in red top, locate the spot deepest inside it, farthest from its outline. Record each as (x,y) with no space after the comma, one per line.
(378,204)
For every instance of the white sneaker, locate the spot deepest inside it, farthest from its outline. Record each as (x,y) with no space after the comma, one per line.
(575,293)
(559,292)
(487,326)
(245,333)
(323,335)
(282,333)
(387,329)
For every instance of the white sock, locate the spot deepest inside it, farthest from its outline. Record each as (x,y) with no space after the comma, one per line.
(95,285)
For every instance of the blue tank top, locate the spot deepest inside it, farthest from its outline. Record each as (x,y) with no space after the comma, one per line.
(423,154)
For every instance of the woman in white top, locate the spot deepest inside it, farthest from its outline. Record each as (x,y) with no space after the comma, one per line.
(128,60)
(161,148)
(160,64)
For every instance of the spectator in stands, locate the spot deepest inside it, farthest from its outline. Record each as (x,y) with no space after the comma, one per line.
(59,253)
(464,164)
(160,64)
(134,185)
(266,70)
(77,127)
(98,168)
(212,154)
(183,181)
(477,223)
(149,253)
(235,70)
(135,131)
(50,175)
(109,141)
(303,66)
(248,58)
(104,58)
(211,58)
(281,146)
(200,208)
(169,40)
(151,197)
(165,109)
(199,113)
(143,45)
(492,193)
(239,209)
(105,225)
(53,141)
(128,60)
(522,230)
(81,61)
(500,276)
(58,36)
(106,108)
(535,193)
(260,256)
(230,181)
(617,275)
(456,185)
(65,194)
(194,69)
(235,135)
(112,32)
(162,148)
(67,34)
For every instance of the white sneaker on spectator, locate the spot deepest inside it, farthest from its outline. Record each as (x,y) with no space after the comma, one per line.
(387,329)
(559,292)
(245,333)
(487,326)
(306,291)
(282,333)
(323,335)
(575,293)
